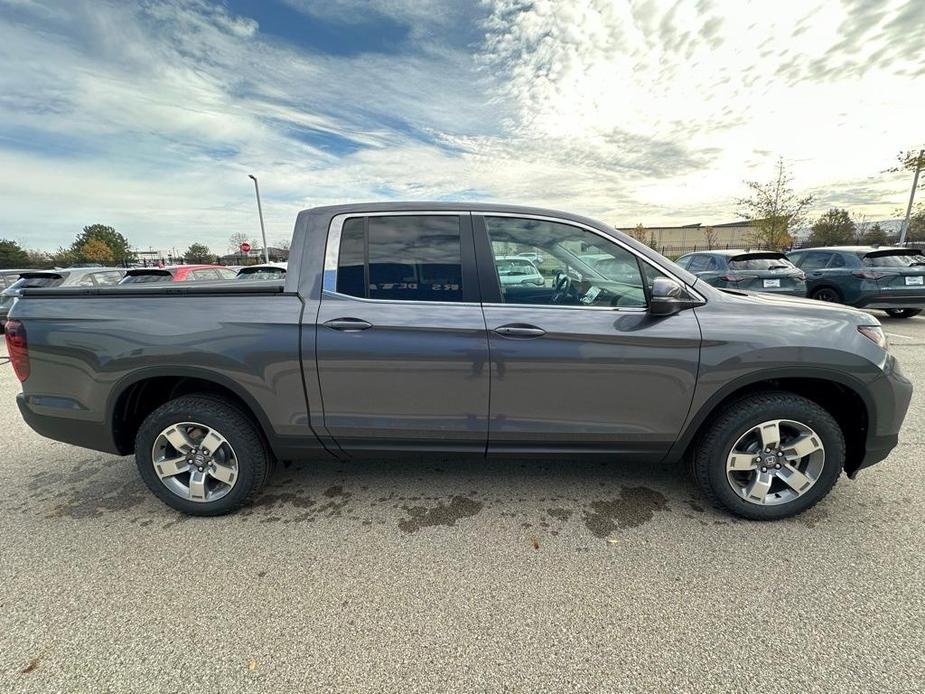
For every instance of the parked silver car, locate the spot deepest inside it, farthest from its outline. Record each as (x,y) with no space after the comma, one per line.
(66,277)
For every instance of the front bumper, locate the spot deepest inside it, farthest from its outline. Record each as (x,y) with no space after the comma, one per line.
(891,397)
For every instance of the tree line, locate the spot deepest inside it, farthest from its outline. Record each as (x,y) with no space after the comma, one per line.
(99,244)
(775,210)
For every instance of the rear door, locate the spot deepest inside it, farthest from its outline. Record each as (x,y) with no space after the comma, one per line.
(402,350)
(582,366)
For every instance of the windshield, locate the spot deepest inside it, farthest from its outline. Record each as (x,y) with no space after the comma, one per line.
(760,263)
(509,267)
(893,260)
(147,276)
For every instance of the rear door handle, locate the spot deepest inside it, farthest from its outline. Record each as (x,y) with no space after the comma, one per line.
(347,324)
(519,330)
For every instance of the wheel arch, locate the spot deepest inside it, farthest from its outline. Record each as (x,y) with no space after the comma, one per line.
(135,396)
(826,284)
(843,396)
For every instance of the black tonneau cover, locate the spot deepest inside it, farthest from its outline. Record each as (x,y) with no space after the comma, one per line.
(201,288)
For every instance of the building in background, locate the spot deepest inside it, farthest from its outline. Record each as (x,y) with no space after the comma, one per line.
(673,241)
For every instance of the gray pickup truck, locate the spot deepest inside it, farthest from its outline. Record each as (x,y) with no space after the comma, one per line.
(392,335)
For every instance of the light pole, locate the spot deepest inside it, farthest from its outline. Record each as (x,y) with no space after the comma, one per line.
(915,183)
(263,232)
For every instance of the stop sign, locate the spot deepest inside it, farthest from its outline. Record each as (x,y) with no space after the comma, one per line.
(245,247)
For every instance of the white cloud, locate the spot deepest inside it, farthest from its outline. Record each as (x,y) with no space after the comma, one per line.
(149,116)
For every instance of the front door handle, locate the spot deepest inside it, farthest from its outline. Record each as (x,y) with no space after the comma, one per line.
(519,330)
(347,324)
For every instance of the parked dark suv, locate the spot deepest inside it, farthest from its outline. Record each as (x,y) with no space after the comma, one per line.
(760,271)
(887,278)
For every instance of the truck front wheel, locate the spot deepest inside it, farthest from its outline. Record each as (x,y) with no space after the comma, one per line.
(201,455)
(769,456)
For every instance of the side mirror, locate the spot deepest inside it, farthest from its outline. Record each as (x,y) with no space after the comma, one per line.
(669,297)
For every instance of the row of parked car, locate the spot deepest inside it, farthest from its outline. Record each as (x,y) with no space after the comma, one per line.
(13,281)
(887,278)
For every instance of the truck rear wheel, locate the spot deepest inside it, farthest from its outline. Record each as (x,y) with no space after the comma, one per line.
(201,455)
(769,456)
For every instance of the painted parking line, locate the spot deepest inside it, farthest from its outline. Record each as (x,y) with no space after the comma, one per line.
(905,337)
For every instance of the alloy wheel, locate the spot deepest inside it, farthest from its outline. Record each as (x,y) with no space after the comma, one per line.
(775,462)
(194,461)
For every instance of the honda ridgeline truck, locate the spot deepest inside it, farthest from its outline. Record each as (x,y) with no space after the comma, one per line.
(393,335)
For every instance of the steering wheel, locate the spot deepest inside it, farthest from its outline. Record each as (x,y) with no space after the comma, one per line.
(563,288)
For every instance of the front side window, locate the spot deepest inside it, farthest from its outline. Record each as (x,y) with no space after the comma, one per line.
(401,258)
(580,267)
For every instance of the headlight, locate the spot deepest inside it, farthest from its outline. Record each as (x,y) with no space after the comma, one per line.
(874,333)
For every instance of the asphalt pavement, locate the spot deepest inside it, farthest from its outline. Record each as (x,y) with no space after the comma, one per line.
(408,576)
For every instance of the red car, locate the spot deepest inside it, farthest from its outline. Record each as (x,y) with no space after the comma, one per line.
(177,273)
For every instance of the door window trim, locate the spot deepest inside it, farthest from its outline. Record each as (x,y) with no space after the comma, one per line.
(335,230)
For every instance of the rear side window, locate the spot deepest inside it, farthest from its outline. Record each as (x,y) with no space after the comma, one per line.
(403,258)
(207,274)
(894,260)
(701,263)
(815,261)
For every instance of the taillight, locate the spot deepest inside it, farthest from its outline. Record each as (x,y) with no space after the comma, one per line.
(17,348)
(868,275)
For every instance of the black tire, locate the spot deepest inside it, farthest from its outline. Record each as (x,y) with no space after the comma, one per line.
(253,459)
(902,312)
(708,462)
(828,294)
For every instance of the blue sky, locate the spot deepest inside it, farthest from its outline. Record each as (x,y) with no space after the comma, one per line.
(149,115)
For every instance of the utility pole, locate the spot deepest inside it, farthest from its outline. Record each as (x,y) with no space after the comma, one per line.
(263,232)
(915,183)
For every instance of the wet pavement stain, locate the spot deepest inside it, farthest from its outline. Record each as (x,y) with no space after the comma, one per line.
(443,514)
(562,514)
(634,506)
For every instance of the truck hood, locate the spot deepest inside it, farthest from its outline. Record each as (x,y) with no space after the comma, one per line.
(761,300)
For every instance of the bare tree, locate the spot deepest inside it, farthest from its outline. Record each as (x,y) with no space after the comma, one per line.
(861,224)
(235,241)
(774,209)
(640,233)
(710,235)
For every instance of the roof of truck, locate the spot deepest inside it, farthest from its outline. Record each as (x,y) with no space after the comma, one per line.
(436,206)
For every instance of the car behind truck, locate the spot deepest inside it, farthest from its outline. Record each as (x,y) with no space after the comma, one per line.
(392,334)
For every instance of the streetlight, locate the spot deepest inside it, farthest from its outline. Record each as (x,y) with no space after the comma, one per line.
(915,184)
(263,232)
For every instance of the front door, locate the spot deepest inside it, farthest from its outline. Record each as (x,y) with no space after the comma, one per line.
(579,365)
(402,350)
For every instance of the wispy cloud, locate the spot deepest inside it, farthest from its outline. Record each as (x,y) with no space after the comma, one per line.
(148,115)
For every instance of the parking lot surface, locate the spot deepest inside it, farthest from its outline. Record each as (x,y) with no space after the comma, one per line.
(411,576)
